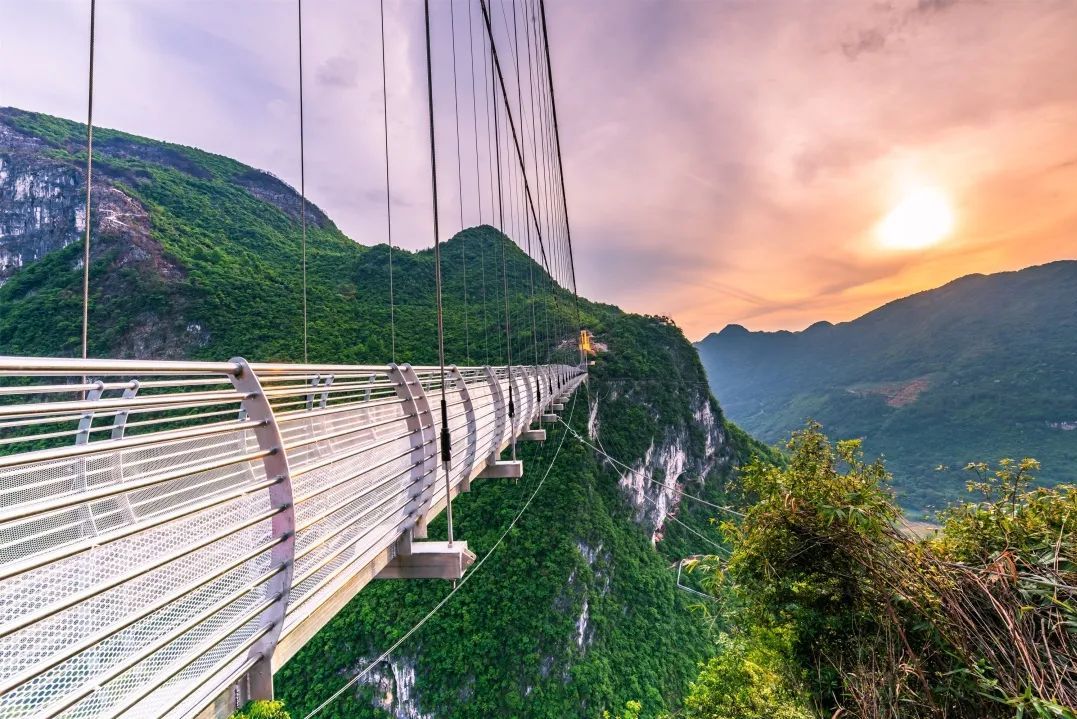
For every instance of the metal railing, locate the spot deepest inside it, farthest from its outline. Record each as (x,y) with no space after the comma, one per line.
(164,524)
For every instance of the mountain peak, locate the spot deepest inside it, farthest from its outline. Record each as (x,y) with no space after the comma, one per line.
(734,330)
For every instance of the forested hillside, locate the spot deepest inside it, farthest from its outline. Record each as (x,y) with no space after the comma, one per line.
(982,368)
(198,256)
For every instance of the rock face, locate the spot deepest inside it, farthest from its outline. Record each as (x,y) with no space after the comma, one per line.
(43,211)
(41,208)
(674,462)
(160,215)
(393,682)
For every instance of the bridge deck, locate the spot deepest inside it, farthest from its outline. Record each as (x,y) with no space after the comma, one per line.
(168,529)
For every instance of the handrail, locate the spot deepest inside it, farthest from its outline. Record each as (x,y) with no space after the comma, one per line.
(114,529)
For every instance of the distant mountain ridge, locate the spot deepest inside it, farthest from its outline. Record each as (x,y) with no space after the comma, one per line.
(980,368)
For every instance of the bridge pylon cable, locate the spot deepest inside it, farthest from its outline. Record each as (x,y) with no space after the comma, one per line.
(500,78)
(474,105)
(504,273)
(552,229)
(527,226)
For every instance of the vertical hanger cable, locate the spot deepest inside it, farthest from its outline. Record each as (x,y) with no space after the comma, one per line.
(388,191)
(302,176)
(89,182)
(446,440)
(459,178)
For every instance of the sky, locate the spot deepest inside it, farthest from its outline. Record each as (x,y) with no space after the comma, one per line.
(725,162)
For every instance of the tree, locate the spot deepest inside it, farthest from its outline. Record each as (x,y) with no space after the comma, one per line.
(262,710)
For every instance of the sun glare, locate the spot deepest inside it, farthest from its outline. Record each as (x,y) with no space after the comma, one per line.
(920,220)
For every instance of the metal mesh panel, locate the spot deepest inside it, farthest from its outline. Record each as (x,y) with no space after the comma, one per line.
(110,553)
(137,532)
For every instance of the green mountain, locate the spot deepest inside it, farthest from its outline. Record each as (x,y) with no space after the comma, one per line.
(981,368)
(198,256)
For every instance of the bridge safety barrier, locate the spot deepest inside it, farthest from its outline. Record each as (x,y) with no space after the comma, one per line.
(165,527)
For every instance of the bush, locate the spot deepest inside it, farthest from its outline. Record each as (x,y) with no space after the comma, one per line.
(751,678)
(262,710)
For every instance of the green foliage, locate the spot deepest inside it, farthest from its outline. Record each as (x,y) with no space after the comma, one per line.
(752,677)
(978,621)
(237,274)
(631,711)
(993,356)
(1011,517)
(262,710)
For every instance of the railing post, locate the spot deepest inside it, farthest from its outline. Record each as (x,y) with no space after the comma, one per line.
(88,527)
(119,426)
(537,393)
(501,413)
(530,392)
(471,443)
(527,400)
(267,433)
(424,452)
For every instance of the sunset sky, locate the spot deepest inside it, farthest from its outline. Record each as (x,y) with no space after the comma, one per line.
(725,161)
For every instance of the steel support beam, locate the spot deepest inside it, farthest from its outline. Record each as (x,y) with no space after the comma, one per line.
(424,448)
(430,560)
(267,434)
(503,469)
(471,447)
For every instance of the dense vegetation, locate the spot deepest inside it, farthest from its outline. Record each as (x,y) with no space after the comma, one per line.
(221,272)
(829,609)
(980,368)
(577,613)
(262,710)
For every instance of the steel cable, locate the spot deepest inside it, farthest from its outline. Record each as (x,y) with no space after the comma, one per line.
(302,176)
(89,177)
(388,195)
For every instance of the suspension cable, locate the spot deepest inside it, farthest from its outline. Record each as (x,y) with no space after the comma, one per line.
(478,179)
(504,275)
(388,195)
(89,178)
(488,97)
(474,105)
(551,212)
(531,264)
(501,197)
(446,440)
(302,176)
(512,125)
(459,177)
(560,162)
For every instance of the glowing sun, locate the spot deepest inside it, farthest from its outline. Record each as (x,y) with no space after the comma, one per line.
(921,219)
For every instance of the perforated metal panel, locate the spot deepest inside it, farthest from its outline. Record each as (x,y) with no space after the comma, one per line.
(147,558)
